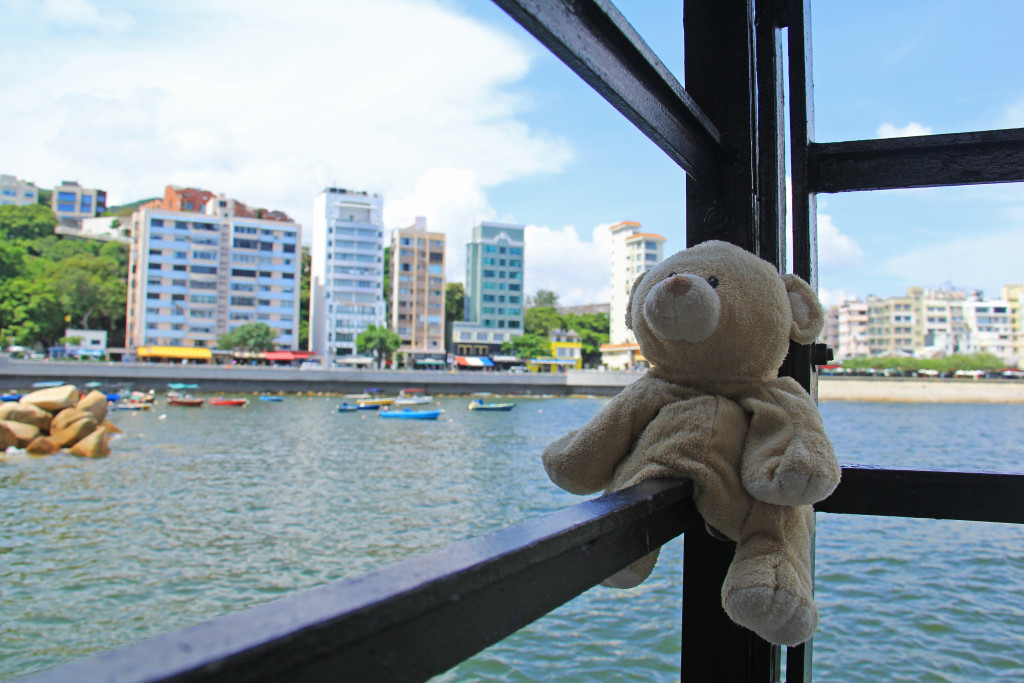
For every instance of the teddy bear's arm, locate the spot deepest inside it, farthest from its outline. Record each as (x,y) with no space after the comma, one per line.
(583,461)
(788,459)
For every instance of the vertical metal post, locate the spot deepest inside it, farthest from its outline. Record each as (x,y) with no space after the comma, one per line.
(722,68)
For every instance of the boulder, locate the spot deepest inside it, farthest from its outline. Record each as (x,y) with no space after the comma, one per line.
(93,445)
(53,398)
(111,427)
(23,433)
(41,445)
(26,413)
(7,437)
(72,432)
(66,417)
(95,402)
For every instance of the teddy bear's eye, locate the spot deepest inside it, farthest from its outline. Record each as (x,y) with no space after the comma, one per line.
(713,281)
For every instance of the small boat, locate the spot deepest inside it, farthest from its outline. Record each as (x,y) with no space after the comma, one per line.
(132,405)
(412,397)
(272,398)
(186,400)
(178,386)
(221,401)
(347,408)
(6,398)
(479,404)
(369,399)
(409,414)
(363,405)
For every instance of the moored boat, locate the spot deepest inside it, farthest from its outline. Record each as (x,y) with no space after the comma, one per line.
(409,414)
(236,402)
(186,401)
(369,399)
(347,408)
(412,397)
(132,405)
(478,404)
(272,398)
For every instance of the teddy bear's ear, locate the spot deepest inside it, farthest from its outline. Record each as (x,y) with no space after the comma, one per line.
(629,302)
(808,318)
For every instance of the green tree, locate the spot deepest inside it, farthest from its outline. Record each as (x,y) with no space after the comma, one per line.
(541,320)
(454,301)
(306,269)
(26,222)
(11,259)
(44,197)
(30,312)
(88,287)
(248,337)
(543,297)
(378,341)
(527,346)
(594,330)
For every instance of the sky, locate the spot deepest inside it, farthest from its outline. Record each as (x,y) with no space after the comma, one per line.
(452,111)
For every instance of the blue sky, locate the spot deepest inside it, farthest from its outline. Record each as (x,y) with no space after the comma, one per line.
(453,112)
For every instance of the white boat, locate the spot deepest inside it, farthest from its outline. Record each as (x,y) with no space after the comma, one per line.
(412,397)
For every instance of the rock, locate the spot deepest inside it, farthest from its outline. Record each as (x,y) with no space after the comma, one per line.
(66,417)
(94,445)
(23,433)
(53,398)
(111,427)
(71,433)
(7,437)
(41,445)
(26,413)
(95,402)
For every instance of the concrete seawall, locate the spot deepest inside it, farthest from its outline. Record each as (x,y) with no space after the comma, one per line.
(19,375)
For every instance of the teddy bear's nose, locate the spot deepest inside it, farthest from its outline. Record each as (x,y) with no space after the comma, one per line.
(679,285)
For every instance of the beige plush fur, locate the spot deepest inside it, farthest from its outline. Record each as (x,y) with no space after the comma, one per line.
(715,321)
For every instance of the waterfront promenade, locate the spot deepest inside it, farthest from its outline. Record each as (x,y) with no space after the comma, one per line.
(19,375)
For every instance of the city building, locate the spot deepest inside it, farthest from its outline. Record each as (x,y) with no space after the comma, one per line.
(17,192)
(418,293)
(103,228)
(991,326)
(1012,294)
(494,294)
(851,330)
(566,353)
(346,272)
(633,252)
(194,275)
(71,203)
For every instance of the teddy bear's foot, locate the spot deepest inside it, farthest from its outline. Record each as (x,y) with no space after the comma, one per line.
(634,574)
(790,483)
(775,614)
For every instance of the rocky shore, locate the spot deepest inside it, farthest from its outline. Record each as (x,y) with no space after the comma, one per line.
(47,421)
(907,390)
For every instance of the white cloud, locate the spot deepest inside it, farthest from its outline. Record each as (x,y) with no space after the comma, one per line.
(1013,117)
(553,261)
(836,250)
(834,297)
(271,102)
(984,261)
(888,130)
(83,14)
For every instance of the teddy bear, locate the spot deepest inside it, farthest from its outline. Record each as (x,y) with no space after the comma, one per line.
(714,323)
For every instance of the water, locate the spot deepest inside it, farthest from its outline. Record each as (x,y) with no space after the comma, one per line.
(209,511)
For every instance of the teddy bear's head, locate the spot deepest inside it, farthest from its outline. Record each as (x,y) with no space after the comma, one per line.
(715,312)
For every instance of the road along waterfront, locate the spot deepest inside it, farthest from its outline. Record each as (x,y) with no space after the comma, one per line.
(201,512)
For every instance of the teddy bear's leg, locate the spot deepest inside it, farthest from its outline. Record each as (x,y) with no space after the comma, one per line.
(635,573)
(769,587)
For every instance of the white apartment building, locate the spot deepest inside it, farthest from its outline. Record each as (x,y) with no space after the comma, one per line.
(346,271)
(991,325)
(418,291)
(17,192)
(851,330)
(633,252)
(194,275)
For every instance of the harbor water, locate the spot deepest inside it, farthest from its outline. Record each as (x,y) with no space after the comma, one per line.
(202,512)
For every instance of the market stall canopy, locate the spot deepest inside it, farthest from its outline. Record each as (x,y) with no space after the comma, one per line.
(180,352)
(474,361)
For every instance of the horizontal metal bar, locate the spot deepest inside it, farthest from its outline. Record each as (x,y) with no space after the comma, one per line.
(415,619)
(995,156)
(973,496)
(597,42)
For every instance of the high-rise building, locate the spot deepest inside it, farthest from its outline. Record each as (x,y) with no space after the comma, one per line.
(17,192)
(418,292)
(494,294)
(194,275)
(633,252)
(72,202)
(346,271)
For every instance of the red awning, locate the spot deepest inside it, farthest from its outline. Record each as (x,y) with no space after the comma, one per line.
(287,355)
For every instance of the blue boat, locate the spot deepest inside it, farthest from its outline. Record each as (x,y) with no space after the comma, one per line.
(272,398)
(409,414)
(347,408)
(6,398)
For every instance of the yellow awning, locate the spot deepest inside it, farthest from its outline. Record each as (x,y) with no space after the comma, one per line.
(189,352)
